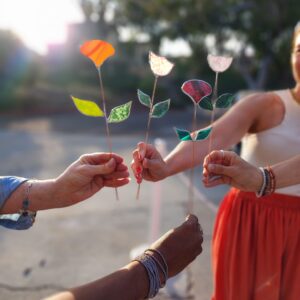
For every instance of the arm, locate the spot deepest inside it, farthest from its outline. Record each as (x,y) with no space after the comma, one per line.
(179,246)
(243,117)
(237,172)
(86,176)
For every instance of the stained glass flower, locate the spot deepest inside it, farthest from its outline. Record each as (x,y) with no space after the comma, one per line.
(196,89)
(98,51)
(219,63)
(160,66)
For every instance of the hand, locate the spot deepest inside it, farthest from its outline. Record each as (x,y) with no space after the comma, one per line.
(232,169)
(87,175)
(180,246)
(148,164)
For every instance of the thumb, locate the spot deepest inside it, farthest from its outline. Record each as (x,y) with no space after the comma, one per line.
(102,169)
(220,169)
(151,163)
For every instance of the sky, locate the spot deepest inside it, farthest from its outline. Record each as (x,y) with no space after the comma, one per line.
(39,22)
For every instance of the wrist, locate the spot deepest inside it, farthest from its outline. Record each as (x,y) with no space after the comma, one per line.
(42,195)
(139,276)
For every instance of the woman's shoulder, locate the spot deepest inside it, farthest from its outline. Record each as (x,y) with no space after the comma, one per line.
(270,109)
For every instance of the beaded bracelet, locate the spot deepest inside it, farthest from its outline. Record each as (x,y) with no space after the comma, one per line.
(269,182)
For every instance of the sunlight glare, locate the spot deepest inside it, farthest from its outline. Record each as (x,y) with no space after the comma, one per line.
(39,23)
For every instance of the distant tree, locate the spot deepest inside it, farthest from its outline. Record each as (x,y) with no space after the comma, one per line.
(261,30)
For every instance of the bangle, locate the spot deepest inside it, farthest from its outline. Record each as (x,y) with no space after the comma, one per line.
(151,264)
(166,269)
(272,185)
(261,191)
(152,272)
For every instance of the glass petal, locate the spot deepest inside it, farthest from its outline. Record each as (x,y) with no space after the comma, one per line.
(219,63)
(183,135)
(98,51)
(196,89)
(87,107)
(160,66)
(120,113)
(203,134)
(224,101)
(144,98)
(160,109)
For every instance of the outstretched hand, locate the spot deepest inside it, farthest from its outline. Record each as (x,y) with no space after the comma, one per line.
(148,164)
(88,175)
(226,167)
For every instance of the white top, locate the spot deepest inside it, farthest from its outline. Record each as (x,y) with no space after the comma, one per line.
(276,144)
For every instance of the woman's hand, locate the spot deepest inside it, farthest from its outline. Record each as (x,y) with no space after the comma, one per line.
(226,167)
(88,175)
(148,164)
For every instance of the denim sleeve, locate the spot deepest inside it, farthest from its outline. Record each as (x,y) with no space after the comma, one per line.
(8,184)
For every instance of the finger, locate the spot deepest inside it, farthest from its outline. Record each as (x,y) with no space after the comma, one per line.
(142,147)
(136,156)
(102,169)
(116,175)
(219,169)
(191,220)
(100,158)
(216,181)
(121,167)
(116,182)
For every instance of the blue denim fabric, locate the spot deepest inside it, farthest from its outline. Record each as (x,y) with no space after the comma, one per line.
(13,221)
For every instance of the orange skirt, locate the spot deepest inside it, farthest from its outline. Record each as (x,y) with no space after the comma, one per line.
(256,247)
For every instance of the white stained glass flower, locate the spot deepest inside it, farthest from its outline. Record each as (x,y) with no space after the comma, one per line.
(160,66)
(219,63)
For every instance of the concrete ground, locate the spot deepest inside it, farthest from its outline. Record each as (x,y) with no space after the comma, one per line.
(74,245)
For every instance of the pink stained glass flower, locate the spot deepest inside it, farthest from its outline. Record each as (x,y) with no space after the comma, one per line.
(196,89)
(219,63)
(160,66)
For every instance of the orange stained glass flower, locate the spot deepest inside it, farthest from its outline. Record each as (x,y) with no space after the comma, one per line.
(98,51)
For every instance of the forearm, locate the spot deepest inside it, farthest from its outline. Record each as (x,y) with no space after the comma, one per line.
(184,157)
(41,196)
(128,283)
(287,172)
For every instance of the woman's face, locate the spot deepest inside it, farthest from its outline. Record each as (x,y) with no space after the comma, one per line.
(296,58)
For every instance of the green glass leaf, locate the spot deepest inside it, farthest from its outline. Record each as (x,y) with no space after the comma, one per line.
(203,134)
(205,103)
(144,98)
(224,101)
(160,109)
(87,107)
(120,113)
(183,135)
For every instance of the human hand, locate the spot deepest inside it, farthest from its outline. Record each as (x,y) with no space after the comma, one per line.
(148,164)
(231,169)
(87,175)
(181,245)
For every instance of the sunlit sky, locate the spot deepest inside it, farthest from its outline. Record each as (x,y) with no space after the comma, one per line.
(39,22)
